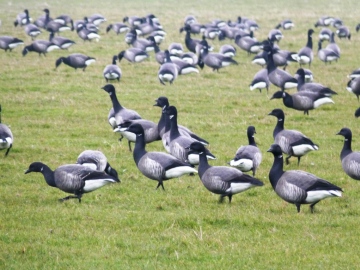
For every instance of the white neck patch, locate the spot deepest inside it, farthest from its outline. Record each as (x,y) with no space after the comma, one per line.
(42,168)
(171,116)
(280,120)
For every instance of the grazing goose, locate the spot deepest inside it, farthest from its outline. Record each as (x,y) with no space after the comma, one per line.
(275,35)
(118,28)
(42,21)
(353,86)
(73,178)
(6,137)
(303,100)
(215,60)
(65,19)
(86,34)
(306,55)
(332,45)
(156,165)
(88,25)
(350,160)
(337,23)
(326,55)
(112,72)
(157,36)
(311,87)
(56,27)
(292,142)
(260,80)
(148,27)
(133,20)
(184,67)
(32,30)
(190,19)
(248,43)
(96,160)
(118,114)
(248,157)
(9,43)
(298,187)
(75,60)
(285,24)
(222,180)
(278,77)
(40,47)
(179,144)
(63,43)
(282,58)
(325,34)
(354,74)
(97,19)
(141,43)
(168,71)
(343,32)
(22,18)
(260,59)
(228,50)
(133,55)
(324,21)
(194,28)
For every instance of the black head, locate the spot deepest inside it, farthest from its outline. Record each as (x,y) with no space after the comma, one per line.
(35,167)
(121,55)
(109,88)
(112,172)
(162,102)
(357,112)
(358,27)
(278,94)
(346,132)
(47,11)
(171,111)
(251,130)
(301,72)
(25,51)
(114,58)
(279,113)
(108,28)
(126,19)
(275,149)
(197,147)
(26,12)
(58,62)
(278,26)
(136,129)
(310,32)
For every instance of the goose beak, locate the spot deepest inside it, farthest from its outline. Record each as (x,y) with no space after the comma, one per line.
(27,171)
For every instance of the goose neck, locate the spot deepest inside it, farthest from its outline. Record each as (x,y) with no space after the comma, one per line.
(203,164)
(276,170)
(346,148)
(48,175)
(139,150)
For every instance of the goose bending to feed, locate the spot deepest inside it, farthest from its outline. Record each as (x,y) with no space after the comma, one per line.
(354,74)
(298,187)
(222,180)
(73,178)
(63,43)
(156,165)
(96,160)
(303,100)
(179,144)
(324,21)
(9,43)
(118,28)
(326,55)
(6,137)
(86,34)
(133,55)
(112,72)
(260,81)
(292,142)
(306,55)
(168,71)
(350,160)
(56,27)
(75,60)
(65,19)
(286,24)
(228,50)
(248,157)
(40,47)
(248,43)
(32,30)
(343,32)
(353,86)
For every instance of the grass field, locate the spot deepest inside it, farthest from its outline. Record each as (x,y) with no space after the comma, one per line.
(55,115)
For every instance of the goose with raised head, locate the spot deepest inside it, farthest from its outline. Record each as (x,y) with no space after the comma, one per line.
(133,55)
(157,166)
(43,20)
(9,43)
(62,42)
(332,45)
(350,160)
(292,142)
(286,24)
(298,187)
(112,71)
(168,71)
(73,178)
(40,47)
(248,157)
(75,60)
(96,160)
(326,55)
(306,55)
(179,144)
(226,181)
(310,86)
(191,44)
(22,18)
(260,81)
(6,137)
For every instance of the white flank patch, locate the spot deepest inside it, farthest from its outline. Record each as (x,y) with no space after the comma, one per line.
(255,49)
(128,39)
(243,164)
(289,85)
(331,58)
(179,171)
(302,149)
(149,49)
(140,58)
(158,39)
(349,89)
(91,185)
(90,165)
(324,37)
(229,54)
(259,61)
(193,159)
(112,122)
(52,47)
(303,59)
(189,70)
(322,101)
(225,64)
(93,36)
(35,33)
(111,76)
(309,78)
(66,45)
(259,85)
(64,28)
(317,195)
(166,77)
(90,61)
(129,135)
(14,45)
(238,187)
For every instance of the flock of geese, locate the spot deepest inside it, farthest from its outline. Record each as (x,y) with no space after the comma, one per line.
(184,148)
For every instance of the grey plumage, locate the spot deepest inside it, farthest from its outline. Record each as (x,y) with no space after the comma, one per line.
(326,55)
(56,27)
(112,71)
(286,24)
(353,86)
(310,86)
(118,28)
(9,43)
(75,60)
(32,30)
(228,50)
(133,55)
(332,45)
(248,43)
(22,18)
(62,42)
(343,32)
(260,80)
(86,34)
(306,55)
(6,136)
(325,34)
(40,47)
(168,71)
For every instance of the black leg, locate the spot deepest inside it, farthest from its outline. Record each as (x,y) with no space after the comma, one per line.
(69,197)
(221,200)
(129,143)
(230,197)
(122,137)
(287,159)
(160,184)
(7,152)
(312,207)
(299,161)
(297,207)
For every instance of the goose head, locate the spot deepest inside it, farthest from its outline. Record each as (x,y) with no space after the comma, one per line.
(162,102)
(251,131)
(275,149)
(171,111)
(136,129)
(35,167)
(346,132)
(278,113)
(278,95)
(109,88)
(196,147)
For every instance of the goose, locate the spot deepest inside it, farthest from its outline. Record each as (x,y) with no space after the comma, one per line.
(324,21)
(326,55)
(73,178)
(32,30)
(65,19)
(354,74)
(184,67)
(350,160)
(190,58)
(157,166)
(176,48)
(56,27)
(6,137)
(194,28)
(357,27)
(228,50)
(215,60)
(63,43)
(133,20)
(159,55)
(278,77)
(40,47)
(97,19)
(118,114)
(337,23)
(286,24)
(157,36)
(226,181)
(148,27)
(283,58)
(86,34)
(112,72)
(332,45)
(357,112)
(343,32)
(325,34)
(168,71)
(248,43)
(211,32)
(151,132)
(133,55)
(275,35)
(292,142)
(312,87)
(96,160)
(298,187)
(179,144)
(231,32)
(306,55)
(260,59)
(260,81)
(76,60)
(309,77)
(89,25)
(9,43)
(118,28)
(251,25)
(248,157)
(190,43)
(303,100)
(141,43)
(42,21)
(353,86)
(190,19)
(22,18)
(163,103)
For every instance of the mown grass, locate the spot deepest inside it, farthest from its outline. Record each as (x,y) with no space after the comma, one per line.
(55,115)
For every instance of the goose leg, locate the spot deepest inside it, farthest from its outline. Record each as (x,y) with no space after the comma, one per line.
(129,143)
(121,138)
(297,207)
(70,197)
(312,207)
(299,161)
(160,184)
(221,200)
(7,152)
(230,197)
(287,159)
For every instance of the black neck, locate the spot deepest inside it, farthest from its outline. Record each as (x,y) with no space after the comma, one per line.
(203,164)
(270,62)
(139,149)
(48,175)
(346,148)
(301,80)
(174,130)
(309,43)
(116,104)
(251,140)
(287,100)
(279,126)
(276,170)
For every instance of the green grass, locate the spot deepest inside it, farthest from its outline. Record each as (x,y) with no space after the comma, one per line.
(55,115)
